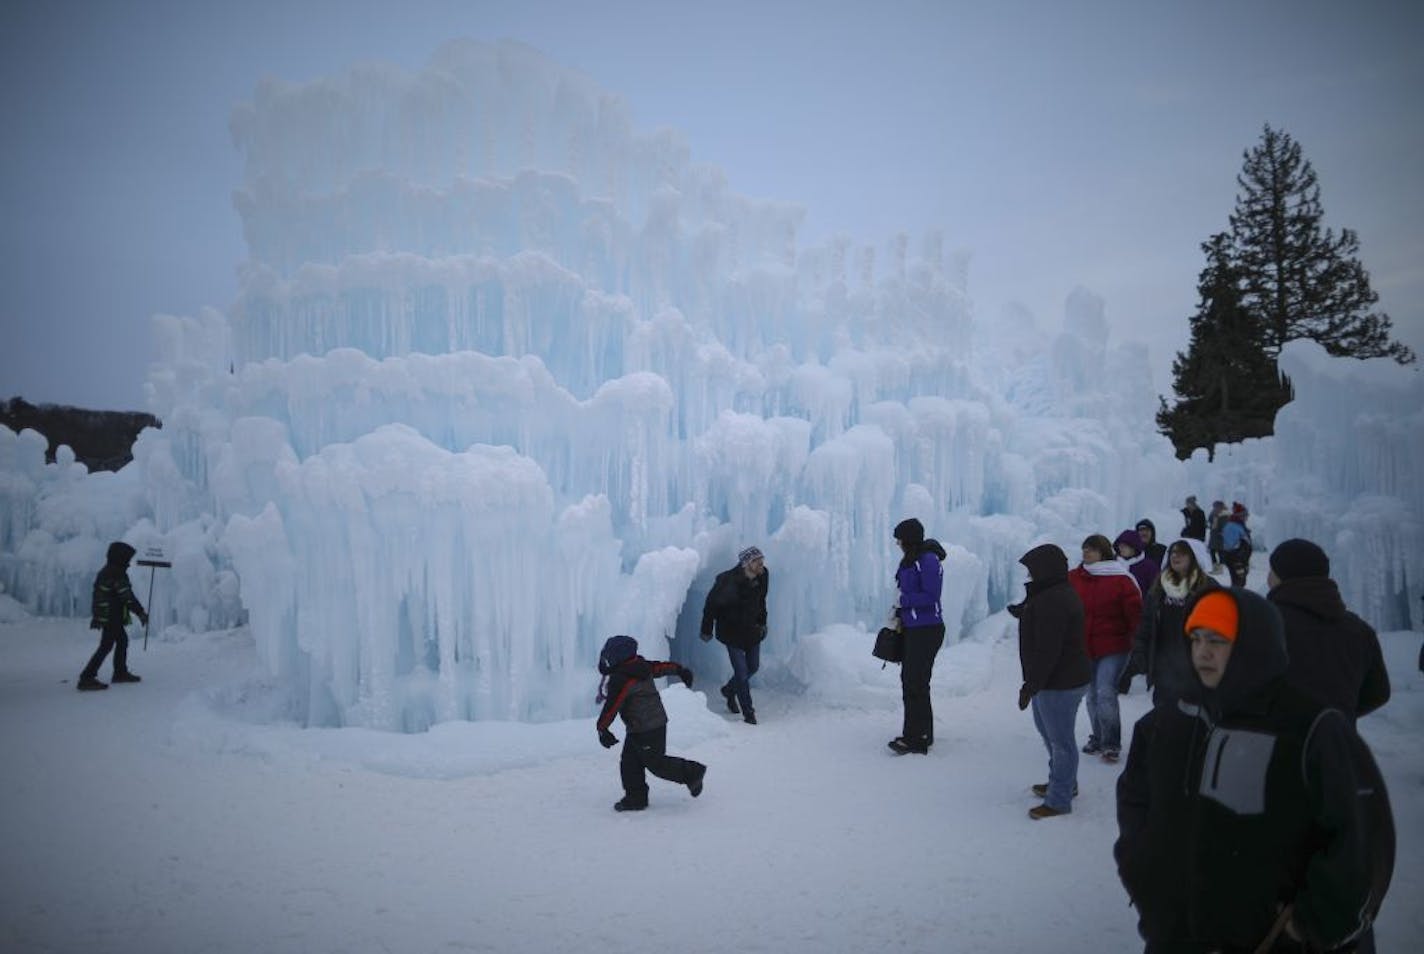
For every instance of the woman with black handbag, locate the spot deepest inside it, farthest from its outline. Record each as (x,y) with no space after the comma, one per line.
(920,578)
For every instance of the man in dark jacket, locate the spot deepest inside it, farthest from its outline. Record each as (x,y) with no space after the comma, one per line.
(1193,521)
(735,611)
(1151,547)
(1334,655)
(109,613)
(632,694)
(1055,671)
(1250,817)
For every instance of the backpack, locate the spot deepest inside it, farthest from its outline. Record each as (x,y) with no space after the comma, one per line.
(616,651)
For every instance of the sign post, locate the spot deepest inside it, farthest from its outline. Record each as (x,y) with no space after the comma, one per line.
(153,558)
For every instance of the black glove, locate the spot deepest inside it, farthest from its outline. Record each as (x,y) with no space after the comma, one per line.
(143,618)
(1015,610)
(1124,682)
(608,739)
(705,637)
(685,675)
(1024,697)
(95,624)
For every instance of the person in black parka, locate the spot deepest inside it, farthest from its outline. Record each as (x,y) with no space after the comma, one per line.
(1251,817)
(631,693)
(1056,671)
(735,612)
(1334,655)
(113,601)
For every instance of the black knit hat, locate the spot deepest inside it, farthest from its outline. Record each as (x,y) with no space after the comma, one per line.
(910,531)
(1296,558)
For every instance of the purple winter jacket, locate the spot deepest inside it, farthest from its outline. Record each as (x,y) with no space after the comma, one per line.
(920,583)
(1145,570)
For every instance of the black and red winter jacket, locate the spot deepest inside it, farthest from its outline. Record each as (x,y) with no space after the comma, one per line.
(633,695)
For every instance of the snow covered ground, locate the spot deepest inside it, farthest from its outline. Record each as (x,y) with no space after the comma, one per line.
(169,817)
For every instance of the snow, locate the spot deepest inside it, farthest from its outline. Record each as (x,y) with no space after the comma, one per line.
(179,815)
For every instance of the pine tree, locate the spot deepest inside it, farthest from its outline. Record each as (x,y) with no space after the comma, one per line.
(1302,282)
(1227,386)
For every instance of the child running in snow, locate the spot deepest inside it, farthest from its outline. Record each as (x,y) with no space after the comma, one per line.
(631,693)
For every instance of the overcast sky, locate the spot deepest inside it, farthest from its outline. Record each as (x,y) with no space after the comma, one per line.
(1063,143)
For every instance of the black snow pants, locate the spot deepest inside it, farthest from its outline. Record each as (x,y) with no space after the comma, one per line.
(112,637)
(922,645)
(648,751)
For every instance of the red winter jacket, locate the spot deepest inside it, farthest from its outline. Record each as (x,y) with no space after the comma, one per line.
(1112,610)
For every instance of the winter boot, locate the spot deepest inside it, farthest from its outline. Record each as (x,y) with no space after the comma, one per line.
(628,804)
(903,746)
(1093,747)
(695,784)
(749,717)
(731,696)
(1041,790)
(1111,756)
(89,684)
(1043,811)
(125,677)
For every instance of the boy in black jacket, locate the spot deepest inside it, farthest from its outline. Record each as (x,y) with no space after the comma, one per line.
(109,613)
(632,694)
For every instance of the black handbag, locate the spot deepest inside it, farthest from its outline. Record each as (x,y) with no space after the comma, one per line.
(889,645)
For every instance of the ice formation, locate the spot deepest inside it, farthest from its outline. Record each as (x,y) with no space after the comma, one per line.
(506,376)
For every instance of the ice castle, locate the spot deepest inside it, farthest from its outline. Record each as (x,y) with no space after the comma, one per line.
(506,376)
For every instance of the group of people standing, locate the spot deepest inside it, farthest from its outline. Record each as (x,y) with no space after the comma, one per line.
(1251,815)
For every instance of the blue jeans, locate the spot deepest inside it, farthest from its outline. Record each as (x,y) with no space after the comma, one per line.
(745,663)
(1054,713)
(1102,702)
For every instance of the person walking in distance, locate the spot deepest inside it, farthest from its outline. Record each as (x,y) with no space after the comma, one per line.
(1193,521)
(920,579)
(113,601)
(1236,545)
(735,612)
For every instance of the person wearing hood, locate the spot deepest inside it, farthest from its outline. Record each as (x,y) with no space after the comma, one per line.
(1158,651)
(920,580)
(1055,671)
(1132,551)
(1154,551)
(1334,655)
(1250,816)
(1112,611)
(113,602)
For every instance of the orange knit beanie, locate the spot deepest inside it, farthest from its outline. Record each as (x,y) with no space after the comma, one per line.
(1215,611)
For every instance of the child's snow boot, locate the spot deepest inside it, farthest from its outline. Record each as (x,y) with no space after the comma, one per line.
(629,804)
(89,684)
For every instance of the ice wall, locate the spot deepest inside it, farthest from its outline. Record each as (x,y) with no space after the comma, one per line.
(1343,469)
(506,376)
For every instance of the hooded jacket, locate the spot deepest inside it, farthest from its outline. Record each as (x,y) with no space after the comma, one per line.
(1251,796)
(1334,655)
(920,578)
(113,597)
(1144,567)
(1156,551)
(1112,606)
(1051,652)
